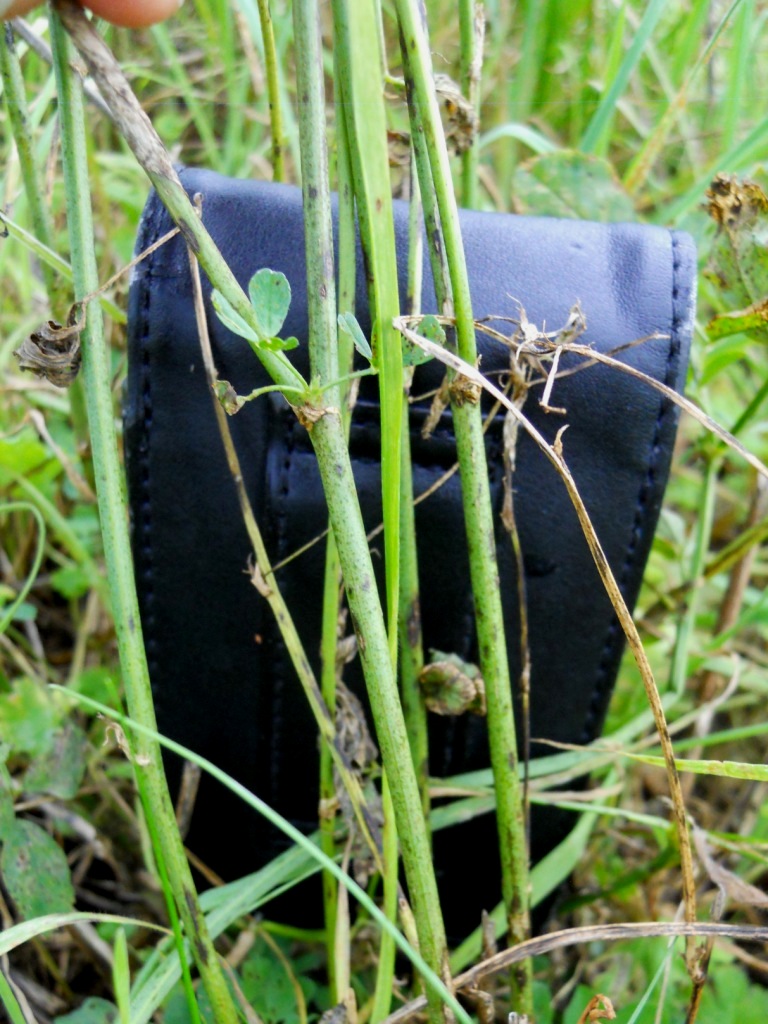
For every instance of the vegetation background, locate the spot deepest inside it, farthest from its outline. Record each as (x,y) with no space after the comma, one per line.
(602,110)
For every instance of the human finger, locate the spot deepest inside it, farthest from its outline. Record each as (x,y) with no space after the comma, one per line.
(129,13)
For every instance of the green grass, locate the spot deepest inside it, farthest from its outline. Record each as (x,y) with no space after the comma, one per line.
(666,95)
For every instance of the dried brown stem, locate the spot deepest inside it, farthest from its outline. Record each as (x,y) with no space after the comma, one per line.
(545,944)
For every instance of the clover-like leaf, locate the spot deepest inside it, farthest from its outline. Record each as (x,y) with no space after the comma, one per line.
(270,296)
(280,344)
(35,871)
(571,184)
(229,316)
(429,328)
(348,323)
(59,770)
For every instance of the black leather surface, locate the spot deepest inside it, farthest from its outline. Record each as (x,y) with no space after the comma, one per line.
(222,681)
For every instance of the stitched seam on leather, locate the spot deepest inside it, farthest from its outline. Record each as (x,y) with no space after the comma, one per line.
(603,683)
(149,622)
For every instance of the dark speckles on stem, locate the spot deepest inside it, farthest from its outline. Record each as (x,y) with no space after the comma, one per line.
(189,236)
(131,624)
(194,912)
(361,645)
(365,586)
(312,192)
(379,204)
(191,902)
(413,623)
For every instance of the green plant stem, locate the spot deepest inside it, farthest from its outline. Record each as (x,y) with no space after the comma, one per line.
(703,536)
(114,526)
(373,647)
(142,138)
(328,646)
(150,152)
(411,646)
(472,31)
(332,580)
(321,287)
(324,365)
(10,1002)
(478,513)
(409,608)
(16,105)
(360,76)
(7,614)
(273,91)
(18,115)
(306,844)
(329,441)
(264,581)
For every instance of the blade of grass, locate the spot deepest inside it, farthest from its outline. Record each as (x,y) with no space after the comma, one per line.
(360,76)
(16,105)
(23,506)
(430,977)
(591,140)
(10,1002)
(641,165)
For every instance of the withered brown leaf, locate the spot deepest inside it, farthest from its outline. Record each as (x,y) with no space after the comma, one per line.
(53,351)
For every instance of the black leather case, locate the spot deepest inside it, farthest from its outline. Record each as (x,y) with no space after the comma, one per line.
(222,681)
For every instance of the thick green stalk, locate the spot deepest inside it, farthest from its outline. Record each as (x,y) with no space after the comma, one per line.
(361,81)
(332,579)
(409,611)
(373,646)
(478,512)
(324,365)
(114,528)
(360,78)
(321,288)
(328,438)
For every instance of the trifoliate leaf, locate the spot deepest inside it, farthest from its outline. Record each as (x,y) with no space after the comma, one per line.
(429,328)
(280,344)
(348,324)
(35,871)
(229,316)
(270,296)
